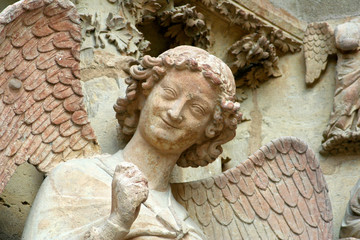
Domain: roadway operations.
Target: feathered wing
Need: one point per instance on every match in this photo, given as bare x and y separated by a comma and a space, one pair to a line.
319, 42
278, 193
42, 115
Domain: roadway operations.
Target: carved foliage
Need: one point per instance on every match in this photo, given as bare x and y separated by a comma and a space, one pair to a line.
115, 30
139, 8
186, 26
255, 55
125, 36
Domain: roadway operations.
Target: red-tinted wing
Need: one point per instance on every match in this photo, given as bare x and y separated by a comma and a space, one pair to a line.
42, 115
278, 193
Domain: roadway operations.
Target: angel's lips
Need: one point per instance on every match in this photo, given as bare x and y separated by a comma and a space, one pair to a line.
168, 123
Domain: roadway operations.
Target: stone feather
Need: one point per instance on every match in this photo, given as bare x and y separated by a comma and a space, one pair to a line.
277, 193
319, 42
42, 116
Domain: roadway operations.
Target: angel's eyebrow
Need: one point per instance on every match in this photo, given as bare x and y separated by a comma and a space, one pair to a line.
172, 84
204, 102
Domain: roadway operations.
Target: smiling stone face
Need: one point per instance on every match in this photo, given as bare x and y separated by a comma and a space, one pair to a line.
187, 104
177, 111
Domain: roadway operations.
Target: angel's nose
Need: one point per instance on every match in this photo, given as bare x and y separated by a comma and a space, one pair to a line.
176, 112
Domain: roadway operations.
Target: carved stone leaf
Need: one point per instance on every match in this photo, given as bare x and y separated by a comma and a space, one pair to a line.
209, 2
37, 67
276, 200
115, 30
256, 57
118, 34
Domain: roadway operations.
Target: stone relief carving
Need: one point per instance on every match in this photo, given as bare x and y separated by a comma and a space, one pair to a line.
117, 27
342, 134
254, 58
186, 26
350, 226
171, 122
115, 30
257, 56
270, 193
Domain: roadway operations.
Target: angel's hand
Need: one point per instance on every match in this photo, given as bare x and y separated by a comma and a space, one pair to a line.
129, 190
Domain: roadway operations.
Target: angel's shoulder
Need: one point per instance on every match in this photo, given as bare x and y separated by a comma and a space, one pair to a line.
80, 165
81, 173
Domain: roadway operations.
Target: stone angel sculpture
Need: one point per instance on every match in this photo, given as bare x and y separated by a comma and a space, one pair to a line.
180, 107
342, 134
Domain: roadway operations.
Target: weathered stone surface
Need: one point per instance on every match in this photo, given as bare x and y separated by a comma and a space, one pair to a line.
99, 92
314, 11
5, 3
162, 112
342, 133
16, 201
286, 106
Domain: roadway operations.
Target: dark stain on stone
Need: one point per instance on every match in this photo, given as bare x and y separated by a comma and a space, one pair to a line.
2, 202
25, 203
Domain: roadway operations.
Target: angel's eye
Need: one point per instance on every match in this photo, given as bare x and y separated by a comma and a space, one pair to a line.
198, 109
169, 92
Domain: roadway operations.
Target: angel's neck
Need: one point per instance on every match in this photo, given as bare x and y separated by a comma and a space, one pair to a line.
156, 165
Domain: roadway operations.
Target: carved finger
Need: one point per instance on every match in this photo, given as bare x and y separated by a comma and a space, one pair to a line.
127, 169
140, 192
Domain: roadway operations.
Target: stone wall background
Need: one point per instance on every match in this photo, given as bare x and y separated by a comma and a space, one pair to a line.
5, 3
282, 106
319, 10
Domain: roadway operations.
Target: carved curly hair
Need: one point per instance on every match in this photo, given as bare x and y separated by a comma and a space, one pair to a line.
151, 70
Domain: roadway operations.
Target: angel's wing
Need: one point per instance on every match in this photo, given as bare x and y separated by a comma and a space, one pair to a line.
42, 115
319, 42
278, 193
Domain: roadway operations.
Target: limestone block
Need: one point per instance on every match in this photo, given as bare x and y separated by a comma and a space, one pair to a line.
100, 95
313, 11
5, 3
17, 199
